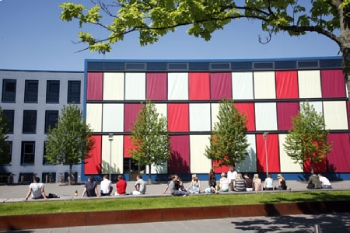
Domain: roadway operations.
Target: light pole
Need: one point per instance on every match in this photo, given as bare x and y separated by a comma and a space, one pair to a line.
110, 138
267, 157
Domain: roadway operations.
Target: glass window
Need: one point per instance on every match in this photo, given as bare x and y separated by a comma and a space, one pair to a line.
29, 121
73, 92
52, 91
28, 153
51, 117
31, 91
10, 117
9, 90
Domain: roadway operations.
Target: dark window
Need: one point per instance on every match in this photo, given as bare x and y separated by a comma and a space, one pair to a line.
73, 92
10, 117
28, 153
31, 91
53, 91
10, 145
9, 90
29, 121
50, 119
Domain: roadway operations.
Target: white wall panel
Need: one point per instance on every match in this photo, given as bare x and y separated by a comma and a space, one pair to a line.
113, 86
265, 116
115, 158
161, 169
162, 110
264, 85
94, 116
135, 86
200, 117
249, 164
214, 114
242, 85
287, 164
199, 162
178, 86
309, 84
113, 117
335, 115
318, 106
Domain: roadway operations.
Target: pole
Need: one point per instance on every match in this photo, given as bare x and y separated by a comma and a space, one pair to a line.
110, 137
266, 154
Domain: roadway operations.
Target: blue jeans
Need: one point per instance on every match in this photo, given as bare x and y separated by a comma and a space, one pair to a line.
326, 186
179, 193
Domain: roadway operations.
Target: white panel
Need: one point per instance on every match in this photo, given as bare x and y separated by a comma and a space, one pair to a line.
214, 114
135, 86
264, 85
265, 116
242, 85
162, 110
200, 117
113, 86
162, 169
199, 162
249, 164
335, 115
177, 86
309, 84
115, 158
287, 164
94, 116
318, 106
113, 118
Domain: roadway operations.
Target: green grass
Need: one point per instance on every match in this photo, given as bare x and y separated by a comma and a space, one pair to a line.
92, 205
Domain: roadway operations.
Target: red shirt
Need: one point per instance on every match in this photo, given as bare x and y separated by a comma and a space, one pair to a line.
121, 186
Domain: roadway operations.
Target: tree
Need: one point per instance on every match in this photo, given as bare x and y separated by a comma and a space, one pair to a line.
153, 19
228, 143
70, 141
150, 139
5, 156
307, 140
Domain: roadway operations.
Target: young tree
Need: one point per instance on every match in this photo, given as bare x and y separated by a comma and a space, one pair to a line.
5, 156
154, 19
228, 143
307, 140
70, 142
150, 139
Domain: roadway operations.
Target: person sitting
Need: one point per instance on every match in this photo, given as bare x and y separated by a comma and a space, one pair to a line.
239, 184
140, 186
36, 190
324, 182
120, 186
314, 182
224, 183
90, 188
195, 185
248, 182
212, 179
256, 183
106, 186
174, 187
281, 183
268, 185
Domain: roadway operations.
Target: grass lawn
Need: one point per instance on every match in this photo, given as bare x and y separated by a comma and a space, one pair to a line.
103, 204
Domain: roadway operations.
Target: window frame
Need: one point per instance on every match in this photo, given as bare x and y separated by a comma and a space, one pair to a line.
31, 90
47, 119
52, 91
6, 96
73, 98
10, 117
24, 153
28, 122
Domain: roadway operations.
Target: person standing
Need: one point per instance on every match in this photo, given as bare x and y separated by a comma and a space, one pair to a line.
120, 186
36, 190
324, 182
90, 188
231, 176
140, 186
106, 186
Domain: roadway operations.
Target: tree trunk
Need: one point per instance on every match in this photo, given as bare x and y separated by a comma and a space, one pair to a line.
70, 174
346, 67
149, 174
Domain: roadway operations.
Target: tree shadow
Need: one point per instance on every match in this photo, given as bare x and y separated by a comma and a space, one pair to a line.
177, 165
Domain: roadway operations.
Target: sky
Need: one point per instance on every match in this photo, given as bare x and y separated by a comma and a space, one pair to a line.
33, 37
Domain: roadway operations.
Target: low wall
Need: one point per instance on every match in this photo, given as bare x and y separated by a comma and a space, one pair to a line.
36, 221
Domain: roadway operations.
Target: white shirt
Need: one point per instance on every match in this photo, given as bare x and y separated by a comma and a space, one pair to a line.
231, 175
36, 189
324, 181
105, 184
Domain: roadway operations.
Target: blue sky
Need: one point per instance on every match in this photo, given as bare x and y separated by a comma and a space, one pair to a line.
33, 37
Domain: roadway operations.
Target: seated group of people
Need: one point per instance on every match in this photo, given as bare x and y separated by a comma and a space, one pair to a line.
318, 182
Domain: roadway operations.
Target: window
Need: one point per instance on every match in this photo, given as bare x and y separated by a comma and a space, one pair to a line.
31, 91
10, 117
9, 90
29, 121
51, 118
73, 92
6, 157
27, 153
53, 91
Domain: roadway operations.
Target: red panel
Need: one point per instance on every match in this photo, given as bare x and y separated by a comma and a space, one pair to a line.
199, 86
287, 84
221, 86
339, 159
93, 164
285, 111
248, 109
333, 83
156, 86
179, 161
272, 152
127, 145
348, 104
318, 167
94, 86
178, 118
130, 115
219, 169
